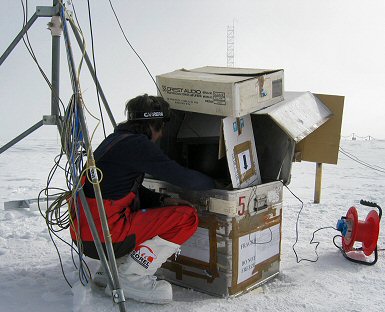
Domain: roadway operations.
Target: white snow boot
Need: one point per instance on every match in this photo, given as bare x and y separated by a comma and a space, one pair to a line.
136, 274
100, 278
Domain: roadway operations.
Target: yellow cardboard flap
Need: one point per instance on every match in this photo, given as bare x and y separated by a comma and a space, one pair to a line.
323, 144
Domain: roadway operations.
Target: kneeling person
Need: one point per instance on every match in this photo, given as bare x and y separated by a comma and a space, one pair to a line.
159, 223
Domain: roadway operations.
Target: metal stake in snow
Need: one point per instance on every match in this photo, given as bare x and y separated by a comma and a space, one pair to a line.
318, 183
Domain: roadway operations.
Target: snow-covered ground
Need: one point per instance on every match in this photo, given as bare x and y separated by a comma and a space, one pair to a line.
30, 273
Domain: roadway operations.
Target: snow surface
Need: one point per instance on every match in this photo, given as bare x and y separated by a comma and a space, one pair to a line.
30, 273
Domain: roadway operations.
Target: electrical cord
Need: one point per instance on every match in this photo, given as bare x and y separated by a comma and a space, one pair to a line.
298, 259
361, 162
254, 242
57, 221
73, 144
57, 215
57, 218
77, 26
51, 233
80, 97
253, 194
132, 48
356, 249
94, 63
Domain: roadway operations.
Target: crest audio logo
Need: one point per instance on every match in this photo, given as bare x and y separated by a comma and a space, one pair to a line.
143, 255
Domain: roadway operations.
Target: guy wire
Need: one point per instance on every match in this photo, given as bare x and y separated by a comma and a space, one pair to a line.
361, 162
94, 63
132, 48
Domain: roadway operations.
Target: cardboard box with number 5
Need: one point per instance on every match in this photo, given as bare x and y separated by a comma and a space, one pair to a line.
237, 246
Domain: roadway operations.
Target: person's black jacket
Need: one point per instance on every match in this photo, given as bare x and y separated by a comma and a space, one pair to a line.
133, 156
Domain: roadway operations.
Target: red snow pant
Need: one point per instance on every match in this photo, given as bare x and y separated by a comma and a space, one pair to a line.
174, 223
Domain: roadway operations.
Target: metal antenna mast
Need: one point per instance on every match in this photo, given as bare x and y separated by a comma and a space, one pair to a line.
58, 25
230, 46
42, 11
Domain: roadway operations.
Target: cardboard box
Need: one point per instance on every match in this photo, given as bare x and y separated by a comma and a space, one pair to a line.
299, 114
241, 153
323, 144
237, 245
229, 254
235, 139
222, 91
275, 133
229, 203
278, 129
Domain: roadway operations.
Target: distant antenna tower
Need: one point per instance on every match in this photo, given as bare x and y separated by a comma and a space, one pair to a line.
230, 46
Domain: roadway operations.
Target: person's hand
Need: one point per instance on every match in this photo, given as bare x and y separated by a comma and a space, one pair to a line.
219, 185
169, 201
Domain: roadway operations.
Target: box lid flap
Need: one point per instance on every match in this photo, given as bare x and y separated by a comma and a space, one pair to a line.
322, 145
204, 76
199, 126
299, 114
232, 71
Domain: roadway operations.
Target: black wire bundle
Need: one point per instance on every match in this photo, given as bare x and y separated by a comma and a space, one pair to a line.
59, 214
56, 217
298, 260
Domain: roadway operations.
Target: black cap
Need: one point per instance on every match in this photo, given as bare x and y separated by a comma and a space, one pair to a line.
145, 107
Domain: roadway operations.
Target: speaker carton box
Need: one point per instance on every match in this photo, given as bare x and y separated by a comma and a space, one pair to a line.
222, 91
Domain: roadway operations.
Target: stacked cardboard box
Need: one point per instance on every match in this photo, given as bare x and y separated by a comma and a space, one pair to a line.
252, 124
234, 249
222, 91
